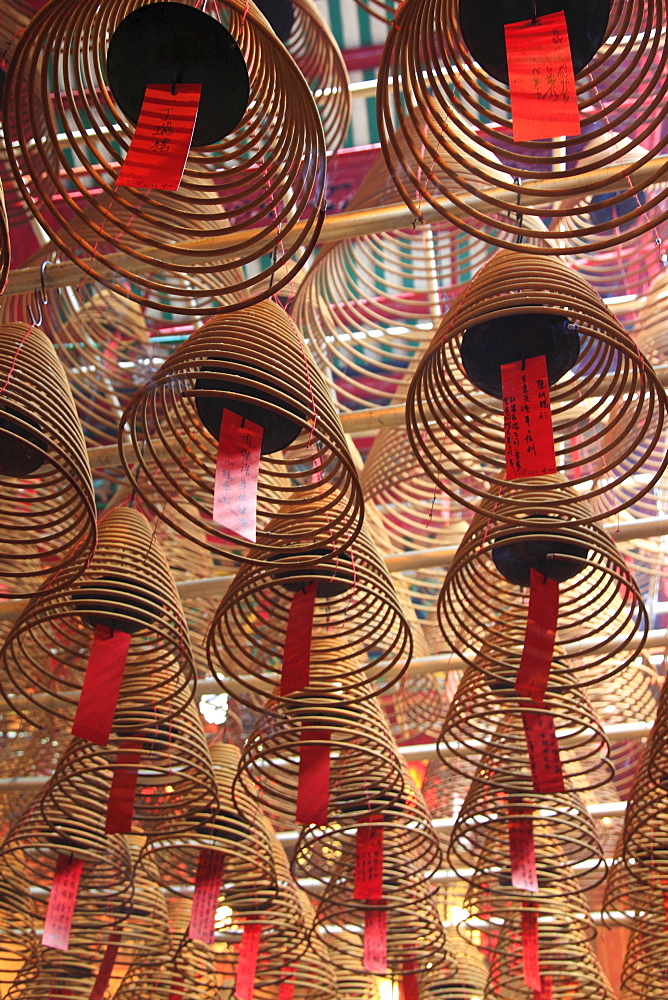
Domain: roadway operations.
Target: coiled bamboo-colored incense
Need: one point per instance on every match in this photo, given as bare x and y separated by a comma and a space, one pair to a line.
359, 628
267, 173
254, 363
442, 78
608, 411
47, 502
127, 587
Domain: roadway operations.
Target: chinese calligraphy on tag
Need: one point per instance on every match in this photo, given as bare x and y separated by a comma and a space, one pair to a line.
161, 142
369, 861
237, 470
543, 98
527, 419
62, 900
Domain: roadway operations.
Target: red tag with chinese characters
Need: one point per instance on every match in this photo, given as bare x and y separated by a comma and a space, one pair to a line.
369, 861
530, 966
207, 891
296, 670
375, 941
247, 961
106, 966
542, 744
237, 471
538, 649
527, 418
522, 851
286, 989
102, 684
313, 779
121, 804
161, 142
62, 900
543, 98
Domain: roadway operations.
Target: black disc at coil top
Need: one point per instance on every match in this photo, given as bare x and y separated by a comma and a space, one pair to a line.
483, 21
171, 43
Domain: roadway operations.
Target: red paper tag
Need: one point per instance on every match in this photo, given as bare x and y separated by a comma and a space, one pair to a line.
296, 670
536, 660
545, 992
207, 891
247, 961
107, 966
546, 769
369, 861
527, 418
286, 988
99, 695
161, 142
313, 779
237, 471
543, 98
522, 851
121, 804
530, 966
410, 988
62, 900
375, 941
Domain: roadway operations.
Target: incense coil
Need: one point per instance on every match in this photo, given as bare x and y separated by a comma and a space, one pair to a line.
625, 269
485, 717
126, 586
352, 981
460, 119
48, 503
289, 395
563, 833
608, 412
644, 970
468, 978
565, 954
18, 942
235, 830
357, 618
313, 974
146, 931
644, 845
167, 750
267, 175
367, 773
601, 621
414, 931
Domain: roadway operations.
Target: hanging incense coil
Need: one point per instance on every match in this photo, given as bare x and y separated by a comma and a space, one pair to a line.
126, 587
48, 504
608, 412
146, 932
18, 940
357, 620
642, 910
352, 981
266, 175
468, 978
235, 831
566, 958
486, 717
644, 846
163, 751
454, 81
563, 833
367, 773
483, 605
223, 366
415, 937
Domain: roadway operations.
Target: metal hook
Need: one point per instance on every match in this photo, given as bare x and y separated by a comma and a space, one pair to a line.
519, 217
35, 322
44, 294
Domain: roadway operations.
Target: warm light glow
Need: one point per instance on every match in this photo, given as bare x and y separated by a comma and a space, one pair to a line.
214, 708
223, 917
387, 990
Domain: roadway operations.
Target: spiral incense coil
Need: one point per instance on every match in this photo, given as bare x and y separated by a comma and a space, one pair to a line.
468, 978
608, 411
127, 586
483, 605
357, 619
486, 717
175, 784
313, 47
267, 175
178, 414
18, 941
449, 70
235, 830
313, 974
563, 833
411, 850
48, 504
146, 932
367, 774
416, 708
645, 967
352, 981
565, 955
644, 846
415, 936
